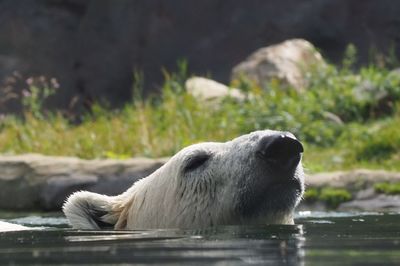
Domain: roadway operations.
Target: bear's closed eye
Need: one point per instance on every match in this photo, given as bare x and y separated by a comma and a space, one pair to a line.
196, 161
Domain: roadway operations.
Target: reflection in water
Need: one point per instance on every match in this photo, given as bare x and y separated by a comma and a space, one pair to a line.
351, 239
230, 245
323, 238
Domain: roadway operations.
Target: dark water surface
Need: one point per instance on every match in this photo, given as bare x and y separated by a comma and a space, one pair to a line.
318, 239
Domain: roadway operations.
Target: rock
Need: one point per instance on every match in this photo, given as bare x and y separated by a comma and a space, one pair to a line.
288, 62
364, 194
57, 188
37, 182
355, 179
360, 183
331, 117
378, 203
43, 182
13, 170
209, 90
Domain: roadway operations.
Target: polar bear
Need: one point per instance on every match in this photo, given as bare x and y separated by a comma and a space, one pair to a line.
253, 179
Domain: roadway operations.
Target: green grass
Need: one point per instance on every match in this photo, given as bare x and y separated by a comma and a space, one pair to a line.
374, 144
334, 196
387, 188
331, 196
341, 126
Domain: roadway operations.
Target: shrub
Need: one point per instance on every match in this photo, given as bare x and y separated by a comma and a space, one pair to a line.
387, 188
379, 142
334, 196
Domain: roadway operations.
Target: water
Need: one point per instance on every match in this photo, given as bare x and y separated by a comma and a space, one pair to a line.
319, 238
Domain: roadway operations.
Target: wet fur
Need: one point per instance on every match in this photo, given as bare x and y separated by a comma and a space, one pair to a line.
189, 191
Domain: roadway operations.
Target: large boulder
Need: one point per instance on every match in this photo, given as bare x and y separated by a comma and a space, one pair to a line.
288, 62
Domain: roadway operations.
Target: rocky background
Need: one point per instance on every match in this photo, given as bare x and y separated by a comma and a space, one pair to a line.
92, 47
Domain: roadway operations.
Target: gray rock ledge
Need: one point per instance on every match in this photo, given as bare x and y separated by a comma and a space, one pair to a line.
360, 183
37, 182
42, 183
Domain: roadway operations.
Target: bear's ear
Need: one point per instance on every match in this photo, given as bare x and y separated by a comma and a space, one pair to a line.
87, 210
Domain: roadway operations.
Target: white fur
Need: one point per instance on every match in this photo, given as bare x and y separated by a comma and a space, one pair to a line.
209, 195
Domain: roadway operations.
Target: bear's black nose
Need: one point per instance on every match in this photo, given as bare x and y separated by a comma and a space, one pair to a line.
281, 151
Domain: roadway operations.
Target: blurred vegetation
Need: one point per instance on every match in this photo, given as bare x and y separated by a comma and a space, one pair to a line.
332, 197
387, 188
346, 118
311, 194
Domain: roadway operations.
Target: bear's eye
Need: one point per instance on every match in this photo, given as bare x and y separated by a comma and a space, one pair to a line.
196, 161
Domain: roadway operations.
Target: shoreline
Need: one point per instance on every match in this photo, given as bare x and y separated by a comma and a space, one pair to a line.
34, 182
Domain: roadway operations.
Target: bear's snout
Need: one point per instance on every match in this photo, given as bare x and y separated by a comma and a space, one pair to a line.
281, 151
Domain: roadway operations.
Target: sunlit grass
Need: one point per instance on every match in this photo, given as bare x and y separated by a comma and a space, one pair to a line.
341, 127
